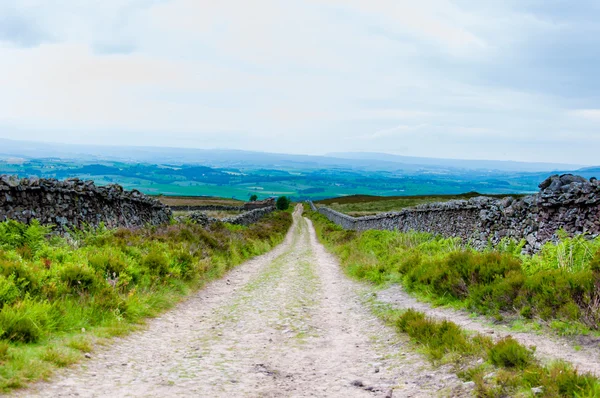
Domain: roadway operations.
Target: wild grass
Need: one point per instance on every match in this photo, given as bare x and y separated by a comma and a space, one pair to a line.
499, 369
58, 296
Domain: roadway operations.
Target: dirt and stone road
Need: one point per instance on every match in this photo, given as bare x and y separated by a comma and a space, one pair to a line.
286, 324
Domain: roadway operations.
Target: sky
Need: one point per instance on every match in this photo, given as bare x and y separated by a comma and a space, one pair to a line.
470, 79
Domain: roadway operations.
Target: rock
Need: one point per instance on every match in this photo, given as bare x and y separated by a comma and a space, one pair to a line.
357, 383
469, 384
537, 390
566, 179
88, 355
548, 181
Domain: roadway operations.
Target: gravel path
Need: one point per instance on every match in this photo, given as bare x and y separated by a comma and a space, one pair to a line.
586, 357
286, 324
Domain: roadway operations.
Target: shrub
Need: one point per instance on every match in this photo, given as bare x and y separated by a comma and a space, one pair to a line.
15, 235
25, 278
509, 353
156, 262
26, 321
80, 278
440, 337
4, 347
107, 262
283, 203
9, 292
253, 198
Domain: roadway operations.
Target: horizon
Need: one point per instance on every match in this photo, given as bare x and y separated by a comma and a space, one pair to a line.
444, 79
323, 155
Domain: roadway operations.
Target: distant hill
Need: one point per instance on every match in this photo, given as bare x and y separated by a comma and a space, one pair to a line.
500, 165
226, 158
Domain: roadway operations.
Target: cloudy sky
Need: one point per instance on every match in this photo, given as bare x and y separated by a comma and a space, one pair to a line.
476, 79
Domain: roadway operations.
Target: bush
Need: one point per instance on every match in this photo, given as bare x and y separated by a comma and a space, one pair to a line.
440, 337
26, 321
80, 278
107, 262
15, 235
283, 203
156, 262
253, 198
508, 353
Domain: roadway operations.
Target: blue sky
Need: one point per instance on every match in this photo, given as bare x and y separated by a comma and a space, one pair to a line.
509, 80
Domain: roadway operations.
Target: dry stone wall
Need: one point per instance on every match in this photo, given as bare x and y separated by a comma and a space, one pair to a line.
246, 218
207, 208
75, 203
567, 202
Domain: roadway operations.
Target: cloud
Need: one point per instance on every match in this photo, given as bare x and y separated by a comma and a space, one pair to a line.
437, 77
587, 114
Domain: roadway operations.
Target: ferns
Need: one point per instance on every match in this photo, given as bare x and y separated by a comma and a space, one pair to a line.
15, 235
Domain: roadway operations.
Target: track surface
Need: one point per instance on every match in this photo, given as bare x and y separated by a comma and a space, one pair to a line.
286, 324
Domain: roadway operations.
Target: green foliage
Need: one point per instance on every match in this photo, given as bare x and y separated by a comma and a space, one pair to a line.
253, 198
26, 321
508, 353
514, 368
440, 338
569, 254
9, 292
157, 262
14, 235
283, 203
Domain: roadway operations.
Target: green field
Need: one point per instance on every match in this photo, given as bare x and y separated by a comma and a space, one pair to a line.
304, 181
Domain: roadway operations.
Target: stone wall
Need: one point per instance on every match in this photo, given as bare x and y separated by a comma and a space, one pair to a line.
207, 208
566, 202
259, 204
246, 218
250, 217
75, 203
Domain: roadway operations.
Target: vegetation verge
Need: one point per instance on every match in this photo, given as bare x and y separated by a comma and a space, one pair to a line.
61, 296
497, 369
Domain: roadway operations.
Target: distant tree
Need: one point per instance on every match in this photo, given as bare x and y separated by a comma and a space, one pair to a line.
283, 203
253, 198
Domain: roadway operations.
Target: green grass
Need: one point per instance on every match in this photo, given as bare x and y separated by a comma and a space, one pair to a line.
498, 369
62, 296
364, 205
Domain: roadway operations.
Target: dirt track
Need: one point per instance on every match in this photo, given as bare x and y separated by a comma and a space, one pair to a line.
286, 324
